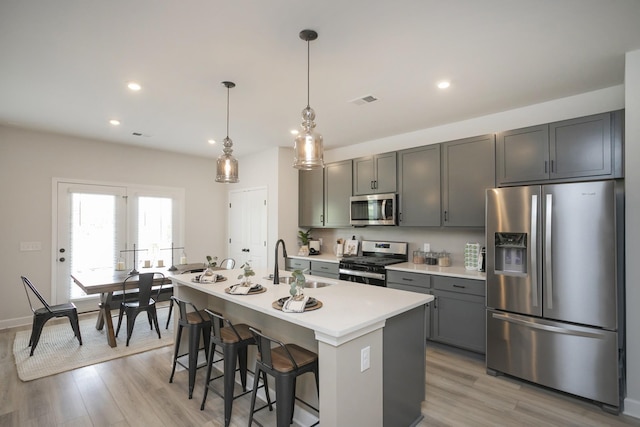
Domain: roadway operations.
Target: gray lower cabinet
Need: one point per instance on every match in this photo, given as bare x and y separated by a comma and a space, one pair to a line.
297, 264
468, 169
413, 282
325, 269
579, 149
419, 186
459, 313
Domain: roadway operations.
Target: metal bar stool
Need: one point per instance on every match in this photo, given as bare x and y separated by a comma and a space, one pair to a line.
197, 323
234, 340
285, 362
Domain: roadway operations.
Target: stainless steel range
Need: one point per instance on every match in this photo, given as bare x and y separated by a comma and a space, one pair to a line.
370, 267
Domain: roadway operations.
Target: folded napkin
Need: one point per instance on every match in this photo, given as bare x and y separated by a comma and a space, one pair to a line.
240, 289
295, 306
208, 279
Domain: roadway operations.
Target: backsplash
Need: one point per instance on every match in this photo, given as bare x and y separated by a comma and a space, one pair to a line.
452, 240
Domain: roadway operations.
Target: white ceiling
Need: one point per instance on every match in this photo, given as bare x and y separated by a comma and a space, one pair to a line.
64, 65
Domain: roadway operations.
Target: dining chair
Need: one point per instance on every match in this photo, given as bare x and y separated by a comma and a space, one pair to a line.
141, 299
228, 263
43, 314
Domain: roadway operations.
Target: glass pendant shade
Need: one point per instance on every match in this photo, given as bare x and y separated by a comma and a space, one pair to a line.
308, 147
227, 165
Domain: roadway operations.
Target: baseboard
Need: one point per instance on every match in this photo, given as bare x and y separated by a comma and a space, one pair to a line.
632, 407
13, 323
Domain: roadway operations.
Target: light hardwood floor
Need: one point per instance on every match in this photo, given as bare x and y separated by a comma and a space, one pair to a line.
134, 391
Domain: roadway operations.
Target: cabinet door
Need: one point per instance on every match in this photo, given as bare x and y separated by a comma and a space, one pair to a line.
581, 147
325, 269
292, 264
468, 169
363, 176
337, 191
522, 155
459, 320
419, 186
385, 173
311, 198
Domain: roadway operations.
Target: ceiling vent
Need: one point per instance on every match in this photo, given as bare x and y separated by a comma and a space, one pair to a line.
368, 99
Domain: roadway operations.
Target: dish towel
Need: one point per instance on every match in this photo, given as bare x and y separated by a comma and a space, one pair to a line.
295, 306
239, 289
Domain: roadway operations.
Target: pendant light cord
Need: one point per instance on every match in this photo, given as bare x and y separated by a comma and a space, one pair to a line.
308, 68
228, 112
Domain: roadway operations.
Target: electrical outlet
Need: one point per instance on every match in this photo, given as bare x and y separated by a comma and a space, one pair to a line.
365, 359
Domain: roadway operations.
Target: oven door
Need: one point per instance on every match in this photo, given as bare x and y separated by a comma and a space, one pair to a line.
365, 277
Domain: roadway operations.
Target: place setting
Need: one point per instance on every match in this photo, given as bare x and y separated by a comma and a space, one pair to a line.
245, 289
297, 302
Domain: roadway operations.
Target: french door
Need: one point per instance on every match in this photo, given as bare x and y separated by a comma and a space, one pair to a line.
98, 225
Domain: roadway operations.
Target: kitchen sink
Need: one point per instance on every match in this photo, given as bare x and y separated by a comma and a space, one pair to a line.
314, 284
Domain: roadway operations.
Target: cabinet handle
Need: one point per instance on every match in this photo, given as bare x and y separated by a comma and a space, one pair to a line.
375, 185
407, 279
459, 286
545, 167
552, 166
446, 216
371, 184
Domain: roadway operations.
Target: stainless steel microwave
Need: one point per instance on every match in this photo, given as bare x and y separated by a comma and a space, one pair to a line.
374, 209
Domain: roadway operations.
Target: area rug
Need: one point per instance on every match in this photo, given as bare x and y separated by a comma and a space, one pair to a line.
59, 351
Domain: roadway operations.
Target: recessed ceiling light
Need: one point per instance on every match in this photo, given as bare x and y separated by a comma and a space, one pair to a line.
114, 122
443, 84
211, 141
134, 86
293, 132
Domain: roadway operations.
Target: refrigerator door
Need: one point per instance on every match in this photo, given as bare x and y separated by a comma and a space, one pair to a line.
579, 252
513, 264
578, 360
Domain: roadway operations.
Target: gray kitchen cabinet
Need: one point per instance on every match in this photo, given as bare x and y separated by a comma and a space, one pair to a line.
468, 169
323, 196
374, 174
337, 191
459, 313
325, 269
419, 186
311, 198
413, 282
571, 150
292, 264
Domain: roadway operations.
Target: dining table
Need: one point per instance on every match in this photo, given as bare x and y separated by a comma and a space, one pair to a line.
106, 282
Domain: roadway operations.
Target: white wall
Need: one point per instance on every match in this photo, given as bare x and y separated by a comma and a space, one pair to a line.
632, 232
29, 160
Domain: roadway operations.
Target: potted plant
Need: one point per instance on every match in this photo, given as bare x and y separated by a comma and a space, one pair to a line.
246, 274
305, 237
297, 285
211, 263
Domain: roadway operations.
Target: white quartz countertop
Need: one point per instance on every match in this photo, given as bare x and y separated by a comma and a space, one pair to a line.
348, 309
453, 271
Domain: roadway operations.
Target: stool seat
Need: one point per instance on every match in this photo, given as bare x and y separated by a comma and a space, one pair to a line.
301, 356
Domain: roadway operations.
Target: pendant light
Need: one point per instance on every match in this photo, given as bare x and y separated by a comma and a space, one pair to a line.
227, 167
308, 150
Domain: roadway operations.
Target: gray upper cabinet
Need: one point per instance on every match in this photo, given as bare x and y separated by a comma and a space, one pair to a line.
311, 198
337, 191
571, 150
419, 186
468, 169
374, 174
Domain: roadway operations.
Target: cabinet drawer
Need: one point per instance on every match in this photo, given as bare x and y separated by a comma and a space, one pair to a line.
454, 284
297, 264
324, 267
410, 279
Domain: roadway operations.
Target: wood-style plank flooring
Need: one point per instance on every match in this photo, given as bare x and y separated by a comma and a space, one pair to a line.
135, 391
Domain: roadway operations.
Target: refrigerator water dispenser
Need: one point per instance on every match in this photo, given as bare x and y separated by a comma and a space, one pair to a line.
511, 253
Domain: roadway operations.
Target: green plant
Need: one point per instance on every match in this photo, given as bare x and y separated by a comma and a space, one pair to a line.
212, 261
304, 237
247, 273
298, 282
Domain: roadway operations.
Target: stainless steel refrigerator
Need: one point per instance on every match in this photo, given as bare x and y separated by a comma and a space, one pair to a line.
555, 287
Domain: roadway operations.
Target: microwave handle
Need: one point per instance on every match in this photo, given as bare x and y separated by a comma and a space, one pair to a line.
383, 208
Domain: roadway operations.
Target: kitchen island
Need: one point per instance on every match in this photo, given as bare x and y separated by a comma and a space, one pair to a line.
384, 388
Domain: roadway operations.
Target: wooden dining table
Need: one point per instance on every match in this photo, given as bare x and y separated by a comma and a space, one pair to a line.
106, 283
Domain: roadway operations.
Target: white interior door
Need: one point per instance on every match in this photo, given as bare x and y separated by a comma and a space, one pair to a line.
248, 227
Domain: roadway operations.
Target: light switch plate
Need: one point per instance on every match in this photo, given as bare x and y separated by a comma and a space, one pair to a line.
365, 359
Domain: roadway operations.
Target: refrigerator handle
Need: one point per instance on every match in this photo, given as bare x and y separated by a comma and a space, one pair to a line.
547, 252
549, 328
534, 250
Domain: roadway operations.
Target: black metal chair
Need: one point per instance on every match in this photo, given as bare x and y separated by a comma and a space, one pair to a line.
228, 263
193, 270
285, 362
141, 299
197, 322
234, 341
43, 314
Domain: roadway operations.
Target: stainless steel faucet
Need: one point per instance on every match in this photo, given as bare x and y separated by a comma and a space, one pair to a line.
276, 276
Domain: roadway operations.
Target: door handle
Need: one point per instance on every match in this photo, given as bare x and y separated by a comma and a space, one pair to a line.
534, 250
62, 259
547, 251
543, 327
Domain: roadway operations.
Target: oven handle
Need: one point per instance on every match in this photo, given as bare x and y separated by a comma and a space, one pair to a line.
368, 274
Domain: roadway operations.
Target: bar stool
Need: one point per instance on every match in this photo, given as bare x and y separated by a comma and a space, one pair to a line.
234, 340
285, 362
197, 323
